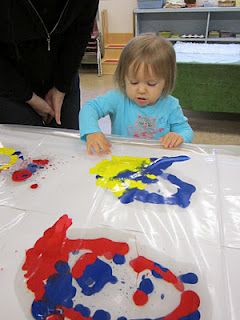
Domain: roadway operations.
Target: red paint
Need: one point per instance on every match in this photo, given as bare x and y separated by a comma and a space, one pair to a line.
71, 314
40, 259
140, 298
34, 186
189, 304
140, 264
55, 317
21, 175
170, 277
40, 162
82, 263
101, 247
55, 246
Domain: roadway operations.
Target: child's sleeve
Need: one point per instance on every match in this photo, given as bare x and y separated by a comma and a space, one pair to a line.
179, 123
95, 109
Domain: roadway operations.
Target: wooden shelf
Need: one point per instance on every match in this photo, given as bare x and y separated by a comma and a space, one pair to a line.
199, 20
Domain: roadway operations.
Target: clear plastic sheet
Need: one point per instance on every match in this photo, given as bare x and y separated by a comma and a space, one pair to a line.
200, 236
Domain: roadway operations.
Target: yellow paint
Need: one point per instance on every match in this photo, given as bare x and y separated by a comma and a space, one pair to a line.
109, 169
12, 158
118, 187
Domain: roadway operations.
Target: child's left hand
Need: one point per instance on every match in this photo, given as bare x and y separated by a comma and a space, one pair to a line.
171, 140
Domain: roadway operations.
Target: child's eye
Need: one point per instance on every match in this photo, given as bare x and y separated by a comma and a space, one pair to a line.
152, 84
133, 82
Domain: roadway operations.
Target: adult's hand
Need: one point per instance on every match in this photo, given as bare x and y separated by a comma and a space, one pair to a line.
41, 107
54, 98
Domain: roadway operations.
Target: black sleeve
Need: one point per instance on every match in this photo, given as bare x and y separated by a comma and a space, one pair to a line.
12, 84
74, 45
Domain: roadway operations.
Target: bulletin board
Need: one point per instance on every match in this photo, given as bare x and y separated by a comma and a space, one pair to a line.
143, 233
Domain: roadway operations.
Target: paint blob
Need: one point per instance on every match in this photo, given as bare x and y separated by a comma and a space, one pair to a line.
21, 169
68, 275
129, 177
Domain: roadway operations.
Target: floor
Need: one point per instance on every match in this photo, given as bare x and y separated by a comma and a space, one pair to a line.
209, 127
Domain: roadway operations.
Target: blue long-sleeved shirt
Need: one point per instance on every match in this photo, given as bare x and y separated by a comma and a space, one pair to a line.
130, 120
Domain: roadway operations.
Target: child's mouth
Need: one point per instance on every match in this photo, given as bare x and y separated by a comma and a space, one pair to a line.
141, 100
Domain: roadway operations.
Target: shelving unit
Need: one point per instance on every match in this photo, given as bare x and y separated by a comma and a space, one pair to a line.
199, 21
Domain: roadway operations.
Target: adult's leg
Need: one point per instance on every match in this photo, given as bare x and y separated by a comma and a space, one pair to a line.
70, 107
13, 112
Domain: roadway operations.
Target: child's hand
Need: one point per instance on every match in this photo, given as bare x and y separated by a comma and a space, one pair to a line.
98, 143
171, 140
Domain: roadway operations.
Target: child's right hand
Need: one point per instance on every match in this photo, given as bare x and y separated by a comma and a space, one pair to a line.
98, 143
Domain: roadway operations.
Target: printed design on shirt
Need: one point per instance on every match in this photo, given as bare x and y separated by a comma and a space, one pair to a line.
144, 127
142, 179
98, 278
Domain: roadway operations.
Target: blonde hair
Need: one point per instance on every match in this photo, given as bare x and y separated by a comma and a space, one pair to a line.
153, 52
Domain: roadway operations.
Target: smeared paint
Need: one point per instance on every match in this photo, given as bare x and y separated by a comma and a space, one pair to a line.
189, 278
41, 162
140, 297
128, 177
21, 175
13, 158
52, 280
141, 263
22, 169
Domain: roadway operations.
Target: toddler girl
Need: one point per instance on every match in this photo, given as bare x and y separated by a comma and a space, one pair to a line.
142, 106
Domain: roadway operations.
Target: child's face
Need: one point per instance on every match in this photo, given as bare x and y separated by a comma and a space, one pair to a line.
143, 90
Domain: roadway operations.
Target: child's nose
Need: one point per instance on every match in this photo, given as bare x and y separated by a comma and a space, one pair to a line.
141, 87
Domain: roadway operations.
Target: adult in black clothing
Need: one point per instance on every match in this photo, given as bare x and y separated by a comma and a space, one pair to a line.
41, 47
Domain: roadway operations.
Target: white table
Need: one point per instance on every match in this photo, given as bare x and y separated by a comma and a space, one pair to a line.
203, 237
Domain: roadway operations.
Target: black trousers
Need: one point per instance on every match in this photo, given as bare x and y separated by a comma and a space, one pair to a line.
13, 112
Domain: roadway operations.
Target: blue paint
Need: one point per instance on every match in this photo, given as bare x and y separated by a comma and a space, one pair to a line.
122, 318
32, 167
189, 278
163, 163
95, 276
62, 267
84, 311
162, 296
146, 286
101, 315
59, 289
119, 259
41, 309
156, 274
161, 267
183, 195
194, 316
180, 198
19, 154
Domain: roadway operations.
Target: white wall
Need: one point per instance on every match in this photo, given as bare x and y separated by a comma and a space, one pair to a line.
120, 14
